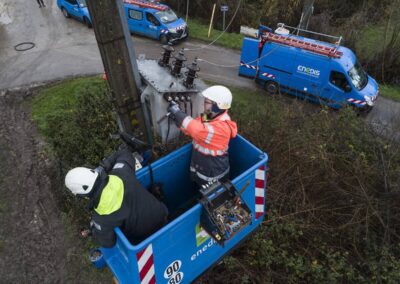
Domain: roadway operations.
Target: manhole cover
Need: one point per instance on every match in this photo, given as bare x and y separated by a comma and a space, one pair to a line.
23, 46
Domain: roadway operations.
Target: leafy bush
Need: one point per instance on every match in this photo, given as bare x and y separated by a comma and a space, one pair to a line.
77, 121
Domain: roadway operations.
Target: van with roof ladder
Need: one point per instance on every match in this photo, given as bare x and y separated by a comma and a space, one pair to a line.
155, 20
146, 18
318, 71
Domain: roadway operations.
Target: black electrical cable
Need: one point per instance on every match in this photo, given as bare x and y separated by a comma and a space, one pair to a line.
191, 108
151, 175
180, 132
168, 129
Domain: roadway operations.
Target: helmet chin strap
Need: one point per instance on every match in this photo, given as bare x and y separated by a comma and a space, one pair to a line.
212, 113
216, 109
210, 116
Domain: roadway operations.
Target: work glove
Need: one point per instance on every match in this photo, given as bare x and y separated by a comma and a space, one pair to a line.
108, 162
175, 113
105, 164
173, 108
85, 232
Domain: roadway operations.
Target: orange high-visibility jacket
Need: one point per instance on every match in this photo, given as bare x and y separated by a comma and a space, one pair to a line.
210, 145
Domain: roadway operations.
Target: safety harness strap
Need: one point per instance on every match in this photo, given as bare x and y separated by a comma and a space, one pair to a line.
209, 179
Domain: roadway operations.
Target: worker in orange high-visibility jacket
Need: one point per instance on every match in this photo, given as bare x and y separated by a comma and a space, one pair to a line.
211, 133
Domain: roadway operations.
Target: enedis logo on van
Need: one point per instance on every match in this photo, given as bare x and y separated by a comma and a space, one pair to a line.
308, 71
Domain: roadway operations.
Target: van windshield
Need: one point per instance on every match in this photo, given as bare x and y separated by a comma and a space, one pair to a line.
358, 76
167, 16
82, 3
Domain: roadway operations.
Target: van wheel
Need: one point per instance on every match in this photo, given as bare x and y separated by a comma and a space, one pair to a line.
65, 13
272, 87
164, 39
87, 22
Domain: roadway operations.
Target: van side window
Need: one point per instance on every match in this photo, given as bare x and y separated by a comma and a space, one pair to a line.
152, 19
73, 2
339, 80
136, 15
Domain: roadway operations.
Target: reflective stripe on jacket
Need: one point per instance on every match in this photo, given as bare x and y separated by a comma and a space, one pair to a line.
210, 138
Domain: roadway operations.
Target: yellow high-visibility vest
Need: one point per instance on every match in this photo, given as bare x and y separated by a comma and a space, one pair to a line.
112, 196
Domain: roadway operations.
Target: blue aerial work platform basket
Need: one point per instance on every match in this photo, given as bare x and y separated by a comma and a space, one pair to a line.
182, 250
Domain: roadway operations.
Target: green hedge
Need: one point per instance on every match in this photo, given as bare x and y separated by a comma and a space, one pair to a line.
76, 117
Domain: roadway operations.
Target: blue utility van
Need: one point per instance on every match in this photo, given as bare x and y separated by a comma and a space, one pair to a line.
155, 20
182, 250
146, 18
77, 9
318, 71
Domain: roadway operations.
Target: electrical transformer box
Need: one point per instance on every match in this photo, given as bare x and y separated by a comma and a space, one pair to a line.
165, 83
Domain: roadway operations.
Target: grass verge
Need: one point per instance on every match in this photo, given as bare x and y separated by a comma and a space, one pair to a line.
60, 99
390, 92
200, 31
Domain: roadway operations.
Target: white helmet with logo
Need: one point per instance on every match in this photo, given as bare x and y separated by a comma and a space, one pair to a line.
220, 95
81, 180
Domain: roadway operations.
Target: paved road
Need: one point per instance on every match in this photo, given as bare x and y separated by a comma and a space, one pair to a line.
65, 47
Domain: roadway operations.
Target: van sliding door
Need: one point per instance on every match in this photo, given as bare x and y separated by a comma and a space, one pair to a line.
310, 73
277, 61
135, 21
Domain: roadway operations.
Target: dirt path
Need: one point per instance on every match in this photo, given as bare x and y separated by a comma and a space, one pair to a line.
32, 237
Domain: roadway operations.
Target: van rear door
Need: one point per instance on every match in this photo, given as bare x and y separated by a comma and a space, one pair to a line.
135, 21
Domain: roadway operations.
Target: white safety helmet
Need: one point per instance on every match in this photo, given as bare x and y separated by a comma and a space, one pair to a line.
80, 180
220, 95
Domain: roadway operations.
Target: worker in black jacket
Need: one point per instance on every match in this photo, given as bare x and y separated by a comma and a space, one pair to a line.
117, 200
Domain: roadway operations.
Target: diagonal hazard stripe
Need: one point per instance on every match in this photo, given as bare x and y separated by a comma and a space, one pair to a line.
144, 255
147, 268
150, 277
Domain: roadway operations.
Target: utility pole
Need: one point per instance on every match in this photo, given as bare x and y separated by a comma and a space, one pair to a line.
306, 14
187, 11
119, 60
